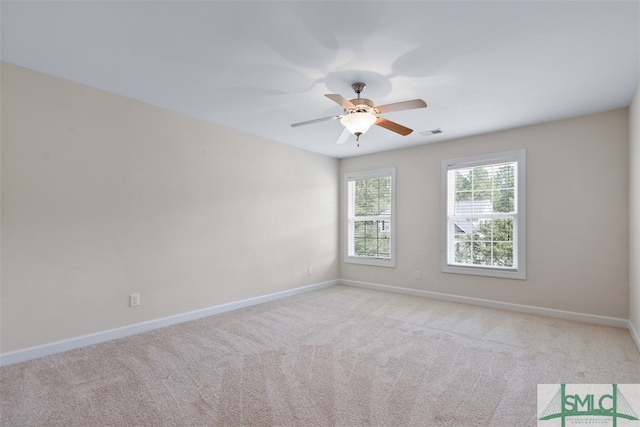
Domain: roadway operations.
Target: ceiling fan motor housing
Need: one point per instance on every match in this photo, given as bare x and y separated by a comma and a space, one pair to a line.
362, 105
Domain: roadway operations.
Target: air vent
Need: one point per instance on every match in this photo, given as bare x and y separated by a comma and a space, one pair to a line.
431, 132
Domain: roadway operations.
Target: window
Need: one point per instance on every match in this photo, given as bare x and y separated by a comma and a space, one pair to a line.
370, 217
484, 216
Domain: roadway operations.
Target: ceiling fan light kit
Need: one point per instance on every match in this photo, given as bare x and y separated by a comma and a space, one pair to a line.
358, 122
361, 113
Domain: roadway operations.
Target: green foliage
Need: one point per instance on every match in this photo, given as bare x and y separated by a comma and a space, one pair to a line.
373, 196
490, 243
372, 239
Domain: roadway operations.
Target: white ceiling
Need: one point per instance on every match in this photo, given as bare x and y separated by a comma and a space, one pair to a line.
481, 66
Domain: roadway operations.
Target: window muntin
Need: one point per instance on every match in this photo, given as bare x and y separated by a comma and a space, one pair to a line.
484, 215
370, 217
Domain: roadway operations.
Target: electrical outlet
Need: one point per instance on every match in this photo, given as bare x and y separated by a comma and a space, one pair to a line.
417, 274
134, 300
309, 271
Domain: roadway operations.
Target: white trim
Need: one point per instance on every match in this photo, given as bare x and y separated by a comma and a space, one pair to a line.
99, 337
548, 312
634, 334
520, 245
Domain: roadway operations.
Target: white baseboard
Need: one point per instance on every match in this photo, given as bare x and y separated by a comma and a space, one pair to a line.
634, 334
99, 337
549, 312
86, 340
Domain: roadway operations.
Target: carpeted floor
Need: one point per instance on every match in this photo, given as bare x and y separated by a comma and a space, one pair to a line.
340, 356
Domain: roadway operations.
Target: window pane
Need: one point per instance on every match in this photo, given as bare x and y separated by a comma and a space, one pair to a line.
373, 197
504, 201
503, 230
463, 180
384, 248
483, 241
485, 189
372, 239
482, 202
463, 204
503, 254
481, 252
504, 176
463, 229
462, 252
482, 178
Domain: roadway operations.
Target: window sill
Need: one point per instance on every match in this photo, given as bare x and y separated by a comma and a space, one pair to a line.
489, 272
370, 261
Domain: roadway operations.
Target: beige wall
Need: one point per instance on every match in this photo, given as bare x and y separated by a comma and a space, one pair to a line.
634, 211
103, 196
577, 216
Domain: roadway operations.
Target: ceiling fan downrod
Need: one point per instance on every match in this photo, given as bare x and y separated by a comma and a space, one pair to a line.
358, 87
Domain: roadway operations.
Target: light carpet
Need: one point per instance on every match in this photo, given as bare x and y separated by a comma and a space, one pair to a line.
340, 356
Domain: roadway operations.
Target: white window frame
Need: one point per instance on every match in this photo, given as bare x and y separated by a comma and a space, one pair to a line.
349, 221
519, 238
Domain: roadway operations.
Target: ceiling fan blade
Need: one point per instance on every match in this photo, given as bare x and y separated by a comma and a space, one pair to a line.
399, 106
393, 126
341, 100
308, 122
343, 137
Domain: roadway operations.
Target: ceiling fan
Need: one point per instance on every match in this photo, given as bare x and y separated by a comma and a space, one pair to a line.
361, 113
